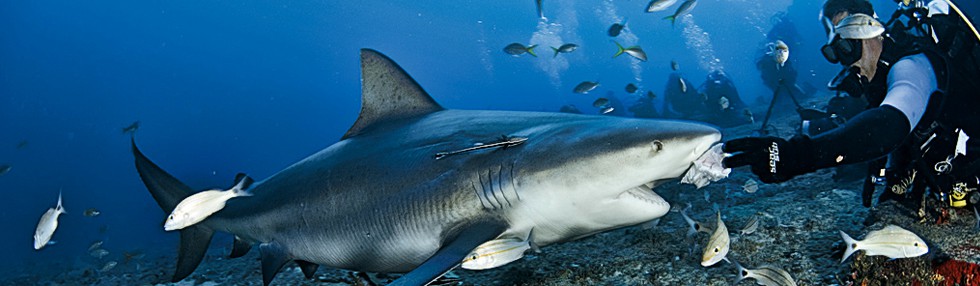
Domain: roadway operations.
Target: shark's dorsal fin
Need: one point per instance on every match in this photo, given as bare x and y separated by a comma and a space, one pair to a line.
388, 93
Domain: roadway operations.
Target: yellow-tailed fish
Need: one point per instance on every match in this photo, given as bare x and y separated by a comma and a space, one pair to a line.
891, 241
634, 51
718, 245
495, 253
200, 206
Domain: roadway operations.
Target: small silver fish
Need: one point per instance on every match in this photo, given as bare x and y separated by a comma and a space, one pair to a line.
683, 85
651, 95
634, 51
600, 102
779, 52
767, 275
496, 253
891, 241
108, 266
631, 88
659, 5
99, 253
685, 8
95, 245
131, 129
750, 186
517, 49
197, 207
607, 110
566, 48
585, 87
718, 245
4, 169
47, 225
92, 212
751, 226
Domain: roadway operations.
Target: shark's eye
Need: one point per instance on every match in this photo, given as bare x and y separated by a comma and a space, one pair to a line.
658, 146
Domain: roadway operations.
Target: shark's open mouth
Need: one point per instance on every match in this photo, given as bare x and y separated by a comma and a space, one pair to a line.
646, 194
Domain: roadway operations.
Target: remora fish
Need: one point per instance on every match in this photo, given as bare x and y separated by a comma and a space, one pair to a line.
659, 5
47, 225
685, 8
891, 241
199, 206
765, 275
634, 51
718, 245
356, 206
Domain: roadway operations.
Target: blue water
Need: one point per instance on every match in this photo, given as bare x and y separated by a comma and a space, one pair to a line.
222, 87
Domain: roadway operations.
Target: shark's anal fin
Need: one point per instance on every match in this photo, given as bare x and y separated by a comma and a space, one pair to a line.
388, 93
274, 256
309, 268
239, 248
451, 254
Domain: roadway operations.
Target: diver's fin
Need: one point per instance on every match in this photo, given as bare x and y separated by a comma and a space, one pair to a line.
309, 268
451, 254
273, 258
239, 248
168, 192
388, 93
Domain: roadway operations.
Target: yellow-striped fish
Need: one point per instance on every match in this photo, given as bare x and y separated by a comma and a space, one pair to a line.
718, 245
891, 241
495, 253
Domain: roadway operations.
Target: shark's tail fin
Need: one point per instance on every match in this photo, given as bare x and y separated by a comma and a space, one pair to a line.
168, 192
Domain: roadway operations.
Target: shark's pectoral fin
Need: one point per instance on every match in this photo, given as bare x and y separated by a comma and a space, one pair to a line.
309, 268
274, 256
451, 253
239, 248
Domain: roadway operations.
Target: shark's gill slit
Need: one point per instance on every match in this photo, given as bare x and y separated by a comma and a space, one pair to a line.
513, 183
500, 184
483, 201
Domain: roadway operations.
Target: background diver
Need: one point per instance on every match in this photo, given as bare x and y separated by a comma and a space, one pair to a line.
920, 94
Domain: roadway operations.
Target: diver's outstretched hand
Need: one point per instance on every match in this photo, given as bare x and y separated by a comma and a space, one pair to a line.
773, 159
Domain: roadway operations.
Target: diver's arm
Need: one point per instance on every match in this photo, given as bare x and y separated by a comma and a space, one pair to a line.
875, 132
871, 134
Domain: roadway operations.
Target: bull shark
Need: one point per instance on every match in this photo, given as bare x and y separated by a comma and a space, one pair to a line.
381, 200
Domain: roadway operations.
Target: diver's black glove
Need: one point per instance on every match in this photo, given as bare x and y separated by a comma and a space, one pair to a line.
773, 159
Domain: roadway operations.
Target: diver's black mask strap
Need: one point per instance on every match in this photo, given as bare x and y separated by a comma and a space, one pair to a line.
850, 81
843, 51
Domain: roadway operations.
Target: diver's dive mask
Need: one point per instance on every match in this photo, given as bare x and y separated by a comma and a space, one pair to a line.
850, 81
843, 51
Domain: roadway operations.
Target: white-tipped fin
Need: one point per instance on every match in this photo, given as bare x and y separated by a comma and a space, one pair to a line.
851, 244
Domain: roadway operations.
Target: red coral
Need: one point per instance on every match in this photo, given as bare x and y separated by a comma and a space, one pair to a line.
957, 272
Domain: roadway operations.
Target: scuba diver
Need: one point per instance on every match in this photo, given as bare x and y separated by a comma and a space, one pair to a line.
918, 74
644, 107
722, 105
682, 100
